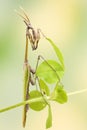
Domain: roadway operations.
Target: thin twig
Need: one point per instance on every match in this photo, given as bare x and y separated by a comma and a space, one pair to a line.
77, 92
37, 100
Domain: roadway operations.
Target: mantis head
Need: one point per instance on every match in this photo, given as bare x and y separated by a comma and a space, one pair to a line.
33, 36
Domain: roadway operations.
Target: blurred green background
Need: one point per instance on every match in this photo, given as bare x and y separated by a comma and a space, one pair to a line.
64, 21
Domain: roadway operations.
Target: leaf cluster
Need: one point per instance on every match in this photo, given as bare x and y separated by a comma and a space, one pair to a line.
49, 72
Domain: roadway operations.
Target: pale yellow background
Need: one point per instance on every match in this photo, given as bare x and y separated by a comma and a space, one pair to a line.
64, 21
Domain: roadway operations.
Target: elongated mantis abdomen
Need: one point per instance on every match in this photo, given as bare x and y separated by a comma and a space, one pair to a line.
25, 92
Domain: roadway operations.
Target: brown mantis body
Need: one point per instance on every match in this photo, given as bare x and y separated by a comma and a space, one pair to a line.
34, 37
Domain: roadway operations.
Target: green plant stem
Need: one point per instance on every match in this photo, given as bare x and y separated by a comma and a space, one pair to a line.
37, 100
23, 103
77, 92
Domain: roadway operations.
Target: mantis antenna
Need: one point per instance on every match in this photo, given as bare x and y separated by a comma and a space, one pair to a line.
23, 15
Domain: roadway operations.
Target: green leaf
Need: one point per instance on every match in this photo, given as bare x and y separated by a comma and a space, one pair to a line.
57, 51
50, 71
49, 118
37, 106
59, 95
44, 88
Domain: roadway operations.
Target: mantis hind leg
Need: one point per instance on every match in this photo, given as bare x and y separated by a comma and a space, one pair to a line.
41, 57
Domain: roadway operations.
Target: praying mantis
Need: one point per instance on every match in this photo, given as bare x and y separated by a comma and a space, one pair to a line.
30, 75
34, 38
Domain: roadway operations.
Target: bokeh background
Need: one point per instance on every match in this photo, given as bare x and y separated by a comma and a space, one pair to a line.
64, 21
